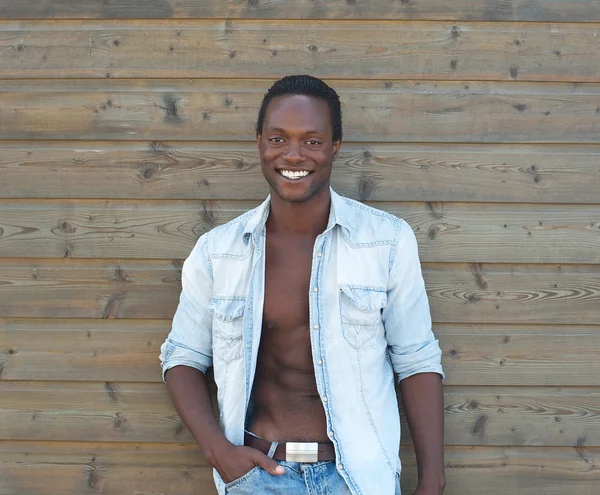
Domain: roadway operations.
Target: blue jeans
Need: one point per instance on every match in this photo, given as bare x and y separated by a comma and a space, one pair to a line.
314, 478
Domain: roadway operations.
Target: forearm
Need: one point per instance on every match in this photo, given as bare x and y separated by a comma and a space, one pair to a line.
190, 395
423, 401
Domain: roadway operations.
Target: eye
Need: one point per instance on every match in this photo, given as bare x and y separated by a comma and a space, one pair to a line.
276, 139
314, 142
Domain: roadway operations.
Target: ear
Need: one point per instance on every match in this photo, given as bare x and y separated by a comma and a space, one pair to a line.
336, 148
258, 140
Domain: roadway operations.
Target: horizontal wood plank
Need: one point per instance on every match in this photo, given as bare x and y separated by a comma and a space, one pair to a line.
374, 111
56, 468
122, 412
458, 293
376, 172
447, 232
272, 49
507, 10
127, 351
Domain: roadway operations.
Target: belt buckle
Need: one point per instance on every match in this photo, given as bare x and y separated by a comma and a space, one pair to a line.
301, 451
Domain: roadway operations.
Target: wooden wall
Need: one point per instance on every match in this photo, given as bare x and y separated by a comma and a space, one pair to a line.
126, 131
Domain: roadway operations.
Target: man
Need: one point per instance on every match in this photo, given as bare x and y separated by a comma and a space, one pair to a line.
305, 307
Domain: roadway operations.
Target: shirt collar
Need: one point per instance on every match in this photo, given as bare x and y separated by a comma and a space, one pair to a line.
338, 214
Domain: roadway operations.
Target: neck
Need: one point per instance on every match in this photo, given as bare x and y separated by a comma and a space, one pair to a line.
308, 218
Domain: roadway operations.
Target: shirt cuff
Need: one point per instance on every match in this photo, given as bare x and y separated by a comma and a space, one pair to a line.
426, 360
174, 354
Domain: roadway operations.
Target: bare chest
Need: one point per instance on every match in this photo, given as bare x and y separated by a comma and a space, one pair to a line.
287, 278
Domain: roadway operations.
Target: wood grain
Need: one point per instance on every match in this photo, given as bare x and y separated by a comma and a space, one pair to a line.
136, 412
447, 232
272, 49
507, 10
377, 172
519, 354
90, 289
127, 351
391, 111
458, 293
71, 349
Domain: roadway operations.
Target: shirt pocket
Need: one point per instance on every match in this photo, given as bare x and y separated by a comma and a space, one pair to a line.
360, 312
227, 328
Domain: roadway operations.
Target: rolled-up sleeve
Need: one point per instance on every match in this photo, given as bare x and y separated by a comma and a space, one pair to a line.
189, 342
412, 347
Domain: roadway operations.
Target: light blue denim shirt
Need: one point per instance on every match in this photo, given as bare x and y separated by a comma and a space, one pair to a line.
369, 317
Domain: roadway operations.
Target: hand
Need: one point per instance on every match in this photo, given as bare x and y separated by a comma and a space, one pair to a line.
233, 462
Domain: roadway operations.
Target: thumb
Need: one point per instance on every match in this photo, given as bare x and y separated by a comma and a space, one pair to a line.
268, 464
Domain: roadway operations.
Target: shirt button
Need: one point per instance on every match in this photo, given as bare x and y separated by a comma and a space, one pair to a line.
364, 308
325, 399
330, 433
320, 362
319, 254
316, 289
316, 327
228, 318
340, 467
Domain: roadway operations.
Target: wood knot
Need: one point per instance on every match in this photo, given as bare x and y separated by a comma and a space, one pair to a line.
479, 427
366, 186
171, 108
455, 32
67, 228
433, 232
111, 392
253, 3
521, 107
514, 71
474, 404
453, 64
116, 42
313, 48
120, 422
148, 171
388, 85
474, 299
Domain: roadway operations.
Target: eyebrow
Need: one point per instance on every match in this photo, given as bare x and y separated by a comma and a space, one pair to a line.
279, 129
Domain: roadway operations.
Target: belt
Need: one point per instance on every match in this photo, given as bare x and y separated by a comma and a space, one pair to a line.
293, 451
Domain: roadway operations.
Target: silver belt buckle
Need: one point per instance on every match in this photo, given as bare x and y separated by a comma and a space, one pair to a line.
301, 451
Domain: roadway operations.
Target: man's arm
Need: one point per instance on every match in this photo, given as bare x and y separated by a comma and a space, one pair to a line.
191, 398
186, 355
423, 402
416, 358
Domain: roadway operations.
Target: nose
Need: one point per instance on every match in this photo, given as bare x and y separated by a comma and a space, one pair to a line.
293, 152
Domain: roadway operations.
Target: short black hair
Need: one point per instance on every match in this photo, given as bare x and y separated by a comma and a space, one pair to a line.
309, 86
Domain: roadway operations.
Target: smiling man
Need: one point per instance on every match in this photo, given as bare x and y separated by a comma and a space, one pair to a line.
306, 307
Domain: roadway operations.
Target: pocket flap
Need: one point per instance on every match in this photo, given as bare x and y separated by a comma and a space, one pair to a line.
227, 309
365, 298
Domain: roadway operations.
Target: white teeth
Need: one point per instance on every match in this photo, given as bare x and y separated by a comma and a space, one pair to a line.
294, 175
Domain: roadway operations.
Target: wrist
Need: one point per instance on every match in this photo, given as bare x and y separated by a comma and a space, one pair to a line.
215, 450
433, 482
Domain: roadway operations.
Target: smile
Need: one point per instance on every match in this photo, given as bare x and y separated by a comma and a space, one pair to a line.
294, 175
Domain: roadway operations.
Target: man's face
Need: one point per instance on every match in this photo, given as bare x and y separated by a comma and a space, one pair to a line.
296, 147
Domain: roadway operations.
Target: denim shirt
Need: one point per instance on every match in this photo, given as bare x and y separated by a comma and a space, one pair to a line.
369, 318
